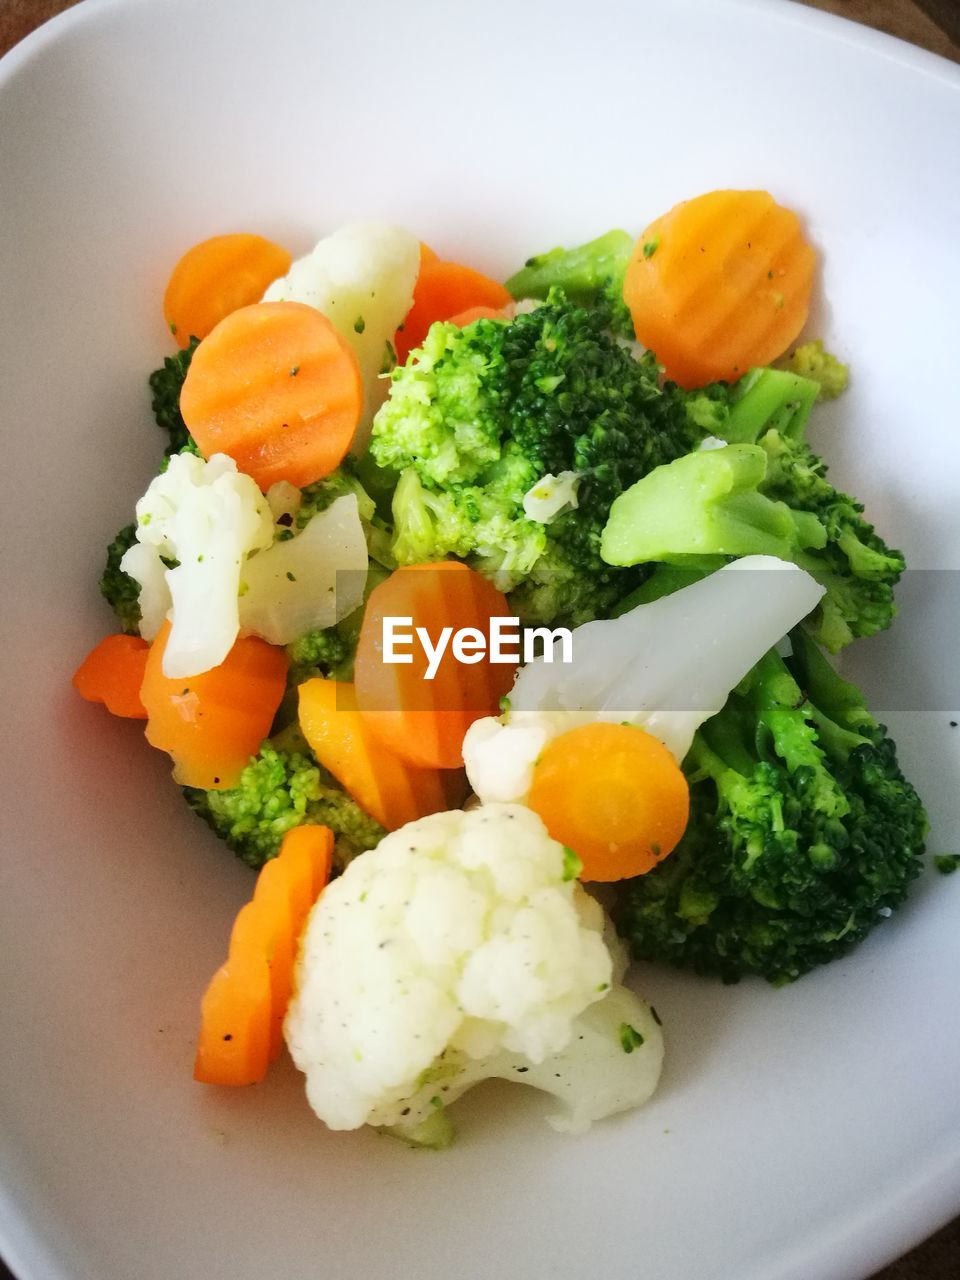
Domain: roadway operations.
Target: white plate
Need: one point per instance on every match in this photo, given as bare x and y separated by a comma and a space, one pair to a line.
798, 1135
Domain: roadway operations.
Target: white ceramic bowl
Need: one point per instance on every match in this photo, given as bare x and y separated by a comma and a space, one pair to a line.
798, 1135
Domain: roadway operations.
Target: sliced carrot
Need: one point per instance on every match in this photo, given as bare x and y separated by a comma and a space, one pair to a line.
463, 318
427, 254
112, 673
242, 1013
213, 723
275, 387
615, 795
386, 786
424, 721
235, 1017
720, 284
444, 289
313, 844
216, 277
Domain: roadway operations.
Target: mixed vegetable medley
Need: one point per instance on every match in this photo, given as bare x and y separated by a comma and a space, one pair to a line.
612, 442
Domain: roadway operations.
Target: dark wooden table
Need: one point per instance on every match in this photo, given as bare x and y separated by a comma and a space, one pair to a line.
934, 24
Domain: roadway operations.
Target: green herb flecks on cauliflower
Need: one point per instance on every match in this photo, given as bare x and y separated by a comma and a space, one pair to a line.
456, 951
207, 518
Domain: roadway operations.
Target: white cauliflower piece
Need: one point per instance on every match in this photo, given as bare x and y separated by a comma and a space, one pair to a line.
459, 949
209, 517
551, 496
665, 666
362, 279
310, 581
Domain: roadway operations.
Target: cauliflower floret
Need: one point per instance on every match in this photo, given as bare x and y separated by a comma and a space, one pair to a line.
462, 948
209, 517
309, 582
362, 279
665, 666
551, 496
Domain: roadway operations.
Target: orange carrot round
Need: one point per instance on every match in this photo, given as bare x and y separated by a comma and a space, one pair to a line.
112, 673
241, 1021
720, 284
275, 387
216, 277
424, 721
445, 289
213, 723
386, 786
615, 795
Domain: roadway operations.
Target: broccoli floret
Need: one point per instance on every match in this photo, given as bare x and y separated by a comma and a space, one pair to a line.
590, 275
812, 361
804, 834
706, 504
320, 653
479, 415
331, 652
282, 786
121, 592
165, 384
322, 494
766, 493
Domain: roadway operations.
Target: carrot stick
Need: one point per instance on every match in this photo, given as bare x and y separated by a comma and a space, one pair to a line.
112, 673
424, 721
213, 723
216, 277
614, 795
275, 387
720, 284
445, 289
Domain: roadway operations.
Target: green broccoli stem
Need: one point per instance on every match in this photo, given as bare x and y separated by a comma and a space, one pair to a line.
702, 504
835, 697
583, 273
766, 399
784, 714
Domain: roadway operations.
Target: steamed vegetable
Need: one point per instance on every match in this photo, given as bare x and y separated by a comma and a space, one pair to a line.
241, 1015
211, 724
112, 673
482, 414
719, 284
460, 949
444, 291
281, 786
382, 783
665, 666
362, 279
421, 709
276, 388
121, 592
804, 833
206, 518
166, 384
811, 361
308, 582
591, 275
216, 277
768, 494
614, 795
